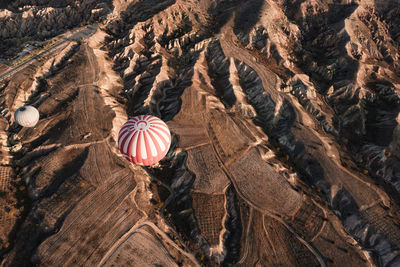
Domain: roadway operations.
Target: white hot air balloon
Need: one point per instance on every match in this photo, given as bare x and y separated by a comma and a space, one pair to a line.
26, 116
144, 140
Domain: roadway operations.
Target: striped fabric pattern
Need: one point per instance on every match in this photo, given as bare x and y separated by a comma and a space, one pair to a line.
27, 116
144, 140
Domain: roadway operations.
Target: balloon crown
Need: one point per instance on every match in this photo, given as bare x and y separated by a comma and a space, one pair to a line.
22, 108
142, 125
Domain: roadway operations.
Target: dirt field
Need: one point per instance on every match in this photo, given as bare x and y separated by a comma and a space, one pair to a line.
284, 119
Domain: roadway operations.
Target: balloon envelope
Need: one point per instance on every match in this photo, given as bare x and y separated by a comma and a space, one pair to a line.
26, 116
144, 140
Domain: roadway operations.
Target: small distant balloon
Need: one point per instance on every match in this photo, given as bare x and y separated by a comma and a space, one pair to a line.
144, 140
27, 116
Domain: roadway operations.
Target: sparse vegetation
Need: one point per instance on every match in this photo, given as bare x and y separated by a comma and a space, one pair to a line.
285, 136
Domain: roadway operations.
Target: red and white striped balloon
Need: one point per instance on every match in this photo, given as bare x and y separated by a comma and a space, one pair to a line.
144, 140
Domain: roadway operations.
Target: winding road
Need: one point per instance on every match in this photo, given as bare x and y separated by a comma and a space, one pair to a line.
75, 36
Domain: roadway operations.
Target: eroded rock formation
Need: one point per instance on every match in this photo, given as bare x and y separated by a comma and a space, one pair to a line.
286, 138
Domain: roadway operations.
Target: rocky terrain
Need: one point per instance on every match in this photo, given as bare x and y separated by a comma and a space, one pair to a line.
24, 21
285, 124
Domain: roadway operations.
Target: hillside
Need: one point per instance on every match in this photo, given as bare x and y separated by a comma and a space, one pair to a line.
284, 118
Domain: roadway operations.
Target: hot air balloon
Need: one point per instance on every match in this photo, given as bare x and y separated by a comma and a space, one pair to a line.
144, 140
26, 116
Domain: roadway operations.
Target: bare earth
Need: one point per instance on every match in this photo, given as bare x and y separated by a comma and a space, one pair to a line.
286, 138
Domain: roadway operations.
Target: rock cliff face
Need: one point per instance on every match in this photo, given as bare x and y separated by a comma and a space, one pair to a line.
285, 124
